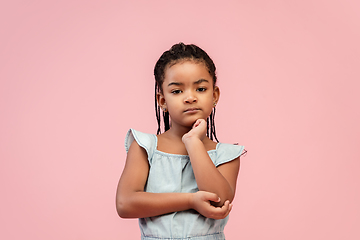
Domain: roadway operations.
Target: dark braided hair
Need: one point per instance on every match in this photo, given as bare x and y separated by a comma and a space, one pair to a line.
177, 53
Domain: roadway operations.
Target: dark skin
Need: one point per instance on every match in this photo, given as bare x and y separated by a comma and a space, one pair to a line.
189, 96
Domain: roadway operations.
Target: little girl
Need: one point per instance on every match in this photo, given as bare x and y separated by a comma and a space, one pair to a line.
180, 183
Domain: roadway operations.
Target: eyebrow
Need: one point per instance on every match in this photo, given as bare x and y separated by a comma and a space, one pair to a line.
179, 83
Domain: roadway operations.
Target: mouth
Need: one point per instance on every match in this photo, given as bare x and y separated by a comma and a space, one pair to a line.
189, 110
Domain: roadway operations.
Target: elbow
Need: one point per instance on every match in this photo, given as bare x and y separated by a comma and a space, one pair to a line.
224, 196
127, 205
231, 195
122, 208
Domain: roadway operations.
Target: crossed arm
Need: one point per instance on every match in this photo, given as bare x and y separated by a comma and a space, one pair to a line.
220, 180
216, 185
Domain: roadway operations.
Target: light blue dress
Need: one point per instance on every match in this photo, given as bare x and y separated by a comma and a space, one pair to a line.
173, 173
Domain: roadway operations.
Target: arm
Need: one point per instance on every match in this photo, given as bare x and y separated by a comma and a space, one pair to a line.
133, 202
220, 180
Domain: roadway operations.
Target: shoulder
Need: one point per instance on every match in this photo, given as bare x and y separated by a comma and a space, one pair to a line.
145, 140
226, 152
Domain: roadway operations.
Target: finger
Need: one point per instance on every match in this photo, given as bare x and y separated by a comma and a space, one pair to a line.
229, 210
197, 123
201, 121
226, 208
212, 197
220, 213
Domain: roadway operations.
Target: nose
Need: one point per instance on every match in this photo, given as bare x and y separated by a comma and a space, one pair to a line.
190, 97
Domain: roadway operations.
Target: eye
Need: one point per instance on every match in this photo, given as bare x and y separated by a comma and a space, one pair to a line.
176, 91
201, 89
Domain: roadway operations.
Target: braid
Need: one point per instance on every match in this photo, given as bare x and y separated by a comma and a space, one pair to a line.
212, 125
177, 53
207, 127
157, 110
166, 120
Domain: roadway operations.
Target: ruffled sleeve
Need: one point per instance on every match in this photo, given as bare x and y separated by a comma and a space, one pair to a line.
145, 140
227, 152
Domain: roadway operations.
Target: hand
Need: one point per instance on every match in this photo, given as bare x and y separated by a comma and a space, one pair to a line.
201, 202
198, 130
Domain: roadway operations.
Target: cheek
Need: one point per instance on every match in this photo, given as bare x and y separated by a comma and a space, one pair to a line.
172, 105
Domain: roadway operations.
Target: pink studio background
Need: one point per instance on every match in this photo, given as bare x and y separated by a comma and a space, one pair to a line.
75, 75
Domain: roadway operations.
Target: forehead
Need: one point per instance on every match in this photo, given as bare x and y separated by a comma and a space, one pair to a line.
187, 70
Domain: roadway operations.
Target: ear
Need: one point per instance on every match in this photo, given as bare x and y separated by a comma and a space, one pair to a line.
216, 95
160, 100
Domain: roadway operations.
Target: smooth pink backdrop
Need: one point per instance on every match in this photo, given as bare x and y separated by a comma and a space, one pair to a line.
75, 75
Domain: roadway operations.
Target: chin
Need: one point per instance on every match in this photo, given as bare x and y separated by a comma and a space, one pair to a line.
191, 123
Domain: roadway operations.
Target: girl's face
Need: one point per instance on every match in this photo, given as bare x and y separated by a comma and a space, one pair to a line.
188, 93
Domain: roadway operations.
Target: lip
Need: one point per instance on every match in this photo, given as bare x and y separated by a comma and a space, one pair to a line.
191, 110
